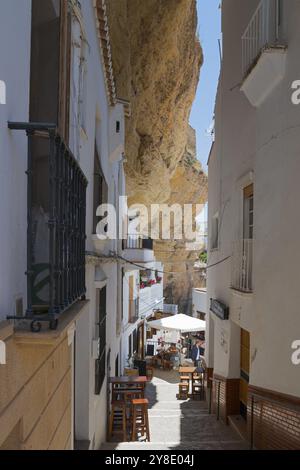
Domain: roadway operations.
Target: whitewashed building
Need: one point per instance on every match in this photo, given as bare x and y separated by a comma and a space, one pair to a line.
57, 85
199, 302
142, 295
253, 257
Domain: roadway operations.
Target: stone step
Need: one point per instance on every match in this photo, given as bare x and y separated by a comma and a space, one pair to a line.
239, 425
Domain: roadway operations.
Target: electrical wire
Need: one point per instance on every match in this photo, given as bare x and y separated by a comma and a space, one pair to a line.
144, 267
218, 262
116, 256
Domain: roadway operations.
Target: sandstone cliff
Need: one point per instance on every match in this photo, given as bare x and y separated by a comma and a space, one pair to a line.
156, 61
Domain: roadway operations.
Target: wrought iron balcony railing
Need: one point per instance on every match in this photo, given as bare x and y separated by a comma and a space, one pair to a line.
56, 213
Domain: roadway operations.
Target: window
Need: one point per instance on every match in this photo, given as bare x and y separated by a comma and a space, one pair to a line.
200, 315
133, 305
82, 91
214, 242
134, 341
100, 370
129, 345
50, 63
248, 208
117, 366
100, 189
279, 9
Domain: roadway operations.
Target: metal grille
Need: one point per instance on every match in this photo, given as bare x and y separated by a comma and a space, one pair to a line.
61, 275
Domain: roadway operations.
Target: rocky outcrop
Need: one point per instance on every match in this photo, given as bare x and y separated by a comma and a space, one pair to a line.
179, 256
156, 61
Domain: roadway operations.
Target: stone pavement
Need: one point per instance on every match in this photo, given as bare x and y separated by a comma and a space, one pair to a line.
180, 425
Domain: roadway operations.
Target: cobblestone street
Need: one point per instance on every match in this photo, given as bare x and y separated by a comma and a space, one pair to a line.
180, 425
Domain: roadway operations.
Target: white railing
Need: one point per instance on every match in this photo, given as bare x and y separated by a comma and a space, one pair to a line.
242, 263
137, 242
260, 33
171, 309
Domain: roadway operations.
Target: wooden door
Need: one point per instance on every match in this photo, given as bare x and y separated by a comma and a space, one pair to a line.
141, 341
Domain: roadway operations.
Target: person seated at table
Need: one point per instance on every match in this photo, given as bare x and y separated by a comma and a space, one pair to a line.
160, 348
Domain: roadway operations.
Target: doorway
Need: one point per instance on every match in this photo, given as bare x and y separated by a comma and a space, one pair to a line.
50, 63
141, 341
108, 393
244, 371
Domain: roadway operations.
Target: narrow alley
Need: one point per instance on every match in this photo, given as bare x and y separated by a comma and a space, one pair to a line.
149, 264
180, 425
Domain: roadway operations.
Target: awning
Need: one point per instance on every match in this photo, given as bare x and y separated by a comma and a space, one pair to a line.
179, 322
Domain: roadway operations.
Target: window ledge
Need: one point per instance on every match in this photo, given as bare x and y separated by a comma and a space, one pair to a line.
241, 293
23, 335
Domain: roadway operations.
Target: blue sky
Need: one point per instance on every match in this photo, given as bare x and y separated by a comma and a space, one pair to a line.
209, 28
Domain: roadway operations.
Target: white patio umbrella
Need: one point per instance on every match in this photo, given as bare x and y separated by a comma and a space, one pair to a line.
179, 322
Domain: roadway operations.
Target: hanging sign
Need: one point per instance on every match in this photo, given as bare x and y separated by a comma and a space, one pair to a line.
219, 309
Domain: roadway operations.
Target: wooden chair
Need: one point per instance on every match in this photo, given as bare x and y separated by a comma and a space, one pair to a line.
197, 386
167, 365
131, 372
156, 361
140, 419
120, 392
183, 393
184, 378
149, 372
117, 421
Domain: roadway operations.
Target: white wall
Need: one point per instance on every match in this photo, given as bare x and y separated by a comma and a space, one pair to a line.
150, 298
199, 301
99, 126
264, 141
15, 36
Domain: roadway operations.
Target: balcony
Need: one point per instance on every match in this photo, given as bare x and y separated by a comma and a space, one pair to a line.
263, 57
151, 298
133, 310
168, 309
56, 213
138, 249
242, 263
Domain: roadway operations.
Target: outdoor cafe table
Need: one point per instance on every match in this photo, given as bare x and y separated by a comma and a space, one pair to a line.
119, 383
128, 379
188, 371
